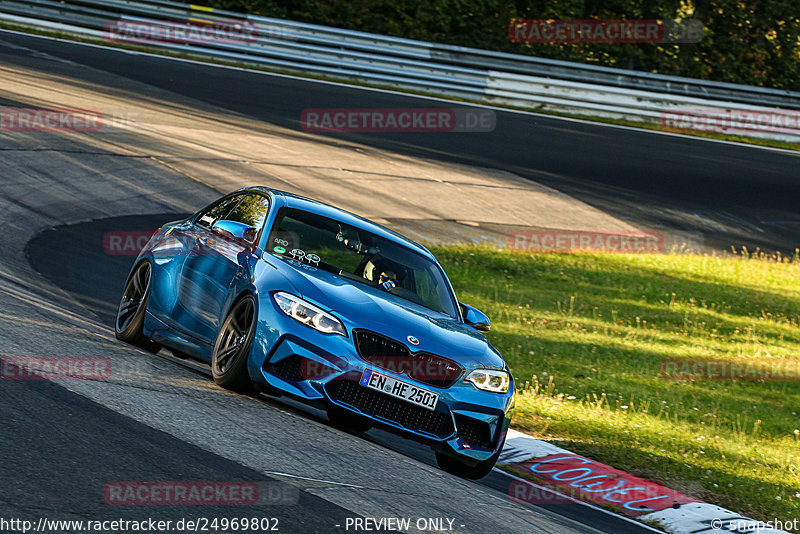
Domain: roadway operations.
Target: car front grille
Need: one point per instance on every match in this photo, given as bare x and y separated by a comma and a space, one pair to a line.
392, 355
405, 414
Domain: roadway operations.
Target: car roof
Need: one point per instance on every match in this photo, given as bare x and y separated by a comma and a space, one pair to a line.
292, 200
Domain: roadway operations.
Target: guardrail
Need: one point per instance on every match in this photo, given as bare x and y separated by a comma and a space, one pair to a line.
479, 75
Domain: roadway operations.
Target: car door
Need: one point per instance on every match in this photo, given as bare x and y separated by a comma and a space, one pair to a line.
171, 254
218, 263
192, 253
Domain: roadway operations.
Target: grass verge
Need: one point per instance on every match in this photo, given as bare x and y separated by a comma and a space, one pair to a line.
585, 336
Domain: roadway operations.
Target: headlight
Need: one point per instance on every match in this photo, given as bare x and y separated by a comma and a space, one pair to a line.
489, 380
306, 313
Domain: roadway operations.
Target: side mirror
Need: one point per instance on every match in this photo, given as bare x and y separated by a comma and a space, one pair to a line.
475, 318
236, 231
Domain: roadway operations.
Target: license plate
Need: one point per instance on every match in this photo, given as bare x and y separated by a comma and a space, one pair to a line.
399, 389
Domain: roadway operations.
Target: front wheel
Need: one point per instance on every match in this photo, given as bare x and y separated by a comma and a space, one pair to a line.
132, 307
231, 350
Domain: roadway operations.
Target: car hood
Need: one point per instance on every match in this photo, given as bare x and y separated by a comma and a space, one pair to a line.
363, 306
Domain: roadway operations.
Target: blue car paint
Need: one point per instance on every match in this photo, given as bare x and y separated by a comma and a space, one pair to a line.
195, 281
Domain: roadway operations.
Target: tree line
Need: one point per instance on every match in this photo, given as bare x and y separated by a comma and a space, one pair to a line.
754, 42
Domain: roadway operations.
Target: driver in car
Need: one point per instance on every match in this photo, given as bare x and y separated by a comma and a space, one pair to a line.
387, 280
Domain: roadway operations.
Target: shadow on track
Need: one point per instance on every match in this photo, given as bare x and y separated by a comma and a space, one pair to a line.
91, 260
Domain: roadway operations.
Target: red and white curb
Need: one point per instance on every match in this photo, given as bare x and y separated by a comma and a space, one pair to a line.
566, 477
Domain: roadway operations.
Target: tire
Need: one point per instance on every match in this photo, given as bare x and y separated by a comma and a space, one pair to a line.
457, 467
347, 420
232, 348
132, 307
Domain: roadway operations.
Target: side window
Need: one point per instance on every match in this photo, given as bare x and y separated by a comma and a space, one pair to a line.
217, 211
252, 210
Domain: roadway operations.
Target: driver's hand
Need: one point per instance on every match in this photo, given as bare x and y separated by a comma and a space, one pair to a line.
387, 285
386, 282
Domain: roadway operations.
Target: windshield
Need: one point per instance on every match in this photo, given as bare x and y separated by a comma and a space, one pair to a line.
360, 256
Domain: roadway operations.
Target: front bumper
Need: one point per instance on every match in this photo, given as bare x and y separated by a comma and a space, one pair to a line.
325, 370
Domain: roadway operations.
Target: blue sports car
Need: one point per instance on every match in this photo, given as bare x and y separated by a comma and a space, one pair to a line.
290, 296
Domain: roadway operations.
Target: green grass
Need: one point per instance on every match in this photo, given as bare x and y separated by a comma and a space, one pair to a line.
585, 335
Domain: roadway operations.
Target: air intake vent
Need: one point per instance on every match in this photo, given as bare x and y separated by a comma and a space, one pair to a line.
295, 368
476, 434
405, 414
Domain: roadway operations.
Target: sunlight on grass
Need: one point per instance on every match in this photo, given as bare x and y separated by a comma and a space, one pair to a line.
586, 336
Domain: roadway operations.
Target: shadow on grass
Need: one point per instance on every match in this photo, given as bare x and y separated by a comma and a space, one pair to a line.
635, 374
541, 280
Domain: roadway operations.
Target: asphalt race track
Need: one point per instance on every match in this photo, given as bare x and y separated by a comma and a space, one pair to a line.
730, 194
159, 419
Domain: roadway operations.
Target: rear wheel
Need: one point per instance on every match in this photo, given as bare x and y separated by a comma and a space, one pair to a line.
231, 350
132, 307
